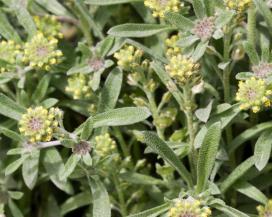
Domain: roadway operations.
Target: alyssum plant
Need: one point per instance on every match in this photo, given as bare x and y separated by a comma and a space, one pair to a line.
135, 108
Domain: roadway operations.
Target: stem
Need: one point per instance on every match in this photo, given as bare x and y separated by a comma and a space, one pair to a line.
49, 144
121, 198
121, 141
227, 71
190, 125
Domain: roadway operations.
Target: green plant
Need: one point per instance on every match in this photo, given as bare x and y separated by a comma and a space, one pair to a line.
132, 108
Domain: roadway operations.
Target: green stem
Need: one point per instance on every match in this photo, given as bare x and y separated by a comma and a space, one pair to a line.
121, 198
121, 141
190, 125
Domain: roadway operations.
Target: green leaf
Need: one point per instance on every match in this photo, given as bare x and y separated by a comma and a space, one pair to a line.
111, 90
48, 103
262, 150
30, 169
236, 174
179, 21
11, 168
10, 108
41, 90
138, 30
12, 135
101, 200
187, 41
24, 17
16, 212
54, 7
265, 12
105, 45
231, 212
203, 114
87, 130
110, 2
153, 212
199, 50
209, 5
252, 53
75, 202
224, 18
244, 75
6, 29
16, 195
69, 166
207, 155
140, 179
162, 149
251, 191
199, 8
53, 164
121, 116
249, 134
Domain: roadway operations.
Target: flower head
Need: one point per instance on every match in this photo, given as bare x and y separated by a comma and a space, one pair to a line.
78, 86
160, 7
265, 211
9, 52
82, 148
182, 68
263, 70
189, 208
105, 145
172, 48
253, 93
238, 5
39, 124
49, 26
96, 63
128, 57
41, 52
204, 28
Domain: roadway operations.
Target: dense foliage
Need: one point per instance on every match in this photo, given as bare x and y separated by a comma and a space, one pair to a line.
138, 108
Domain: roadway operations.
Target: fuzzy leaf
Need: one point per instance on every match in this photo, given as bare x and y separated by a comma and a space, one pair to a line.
140, 179
6, 29
138, 30
101, 200
41, 89
11, 168
236, 174
199, 8
153, 212
262, 150
30, 169
10, 108
54, 7
203, 114
162, 149
179, 21
252, 53
69, 166
207, 155
110, 2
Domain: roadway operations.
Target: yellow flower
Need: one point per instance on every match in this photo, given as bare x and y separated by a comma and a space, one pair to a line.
39, 124
105, 145
78, 86
41, 52
239, 6
253, 93
265, 211
160, 7
9, 52
128, 57
172, 48
189, 207
49, 26
182, 68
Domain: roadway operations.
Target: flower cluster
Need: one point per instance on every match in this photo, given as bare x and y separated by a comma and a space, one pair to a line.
166, 118
82, 148
39, 124
160, 7
265, 211
42, 52
105, 145
128, 57
172, 48
189, 207
253, 93
79, 86
263, 70
9, 52
238, 5
181, 68
204, 28
49, 26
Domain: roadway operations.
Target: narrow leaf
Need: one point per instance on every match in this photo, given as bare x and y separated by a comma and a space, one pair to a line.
110, 2
69, 166
41, 89
153, 212
207, 155
179, 21
138, 30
